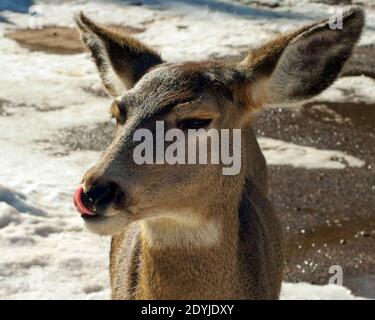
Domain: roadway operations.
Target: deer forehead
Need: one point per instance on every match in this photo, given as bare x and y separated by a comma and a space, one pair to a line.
169, 85
192, 76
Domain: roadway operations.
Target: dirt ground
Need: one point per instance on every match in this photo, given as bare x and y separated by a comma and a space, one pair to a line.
58, 40
328, 215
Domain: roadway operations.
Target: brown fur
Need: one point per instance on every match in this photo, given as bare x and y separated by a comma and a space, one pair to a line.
188, 232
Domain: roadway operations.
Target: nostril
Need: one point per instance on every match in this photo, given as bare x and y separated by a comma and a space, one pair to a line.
100, 196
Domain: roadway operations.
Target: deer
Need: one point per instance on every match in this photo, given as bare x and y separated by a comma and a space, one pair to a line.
188, 231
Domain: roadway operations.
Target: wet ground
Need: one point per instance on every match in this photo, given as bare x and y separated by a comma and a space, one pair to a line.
328, 215
57, 40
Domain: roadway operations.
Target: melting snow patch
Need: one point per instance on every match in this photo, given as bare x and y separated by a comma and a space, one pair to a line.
7, 214
306, 291
18, 201
354, 89
279, 152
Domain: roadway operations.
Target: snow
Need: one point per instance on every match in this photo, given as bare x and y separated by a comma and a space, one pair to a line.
45, 251
279, 152
297, 291
360, 89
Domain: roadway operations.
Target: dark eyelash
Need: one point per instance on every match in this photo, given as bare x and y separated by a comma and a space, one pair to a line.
194, 123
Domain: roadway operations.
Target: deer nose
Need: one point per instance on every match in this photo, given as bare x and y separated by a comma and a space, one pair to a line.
96, 199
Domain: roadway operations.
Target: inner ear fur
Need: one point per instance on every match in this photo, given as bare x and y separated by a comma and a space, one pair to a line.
120, 58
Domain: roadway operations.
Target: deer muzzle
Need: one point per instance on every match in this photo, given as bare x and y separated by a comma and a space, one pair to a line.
96, 200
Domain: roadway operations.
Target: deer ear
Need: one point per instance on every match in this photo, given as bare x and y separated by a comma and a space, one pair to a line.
121, 59
301, 64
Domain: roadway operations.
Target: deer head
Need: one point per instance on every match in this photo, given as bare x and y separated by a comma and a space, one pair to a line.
194, 95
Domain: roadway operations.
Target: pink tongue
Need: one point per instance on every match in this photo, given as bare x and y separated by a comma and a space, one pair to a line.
79, 204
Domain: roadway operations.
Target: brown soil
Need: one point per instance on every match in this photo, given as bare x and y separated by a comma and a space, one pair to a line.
58, 40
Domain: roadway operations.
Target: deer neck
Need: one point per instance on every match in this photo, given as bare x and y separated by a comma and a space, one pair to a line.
185, 259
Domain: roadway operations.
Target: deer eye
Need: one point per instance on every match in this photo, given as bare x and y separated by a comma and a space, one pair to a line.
194, 124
